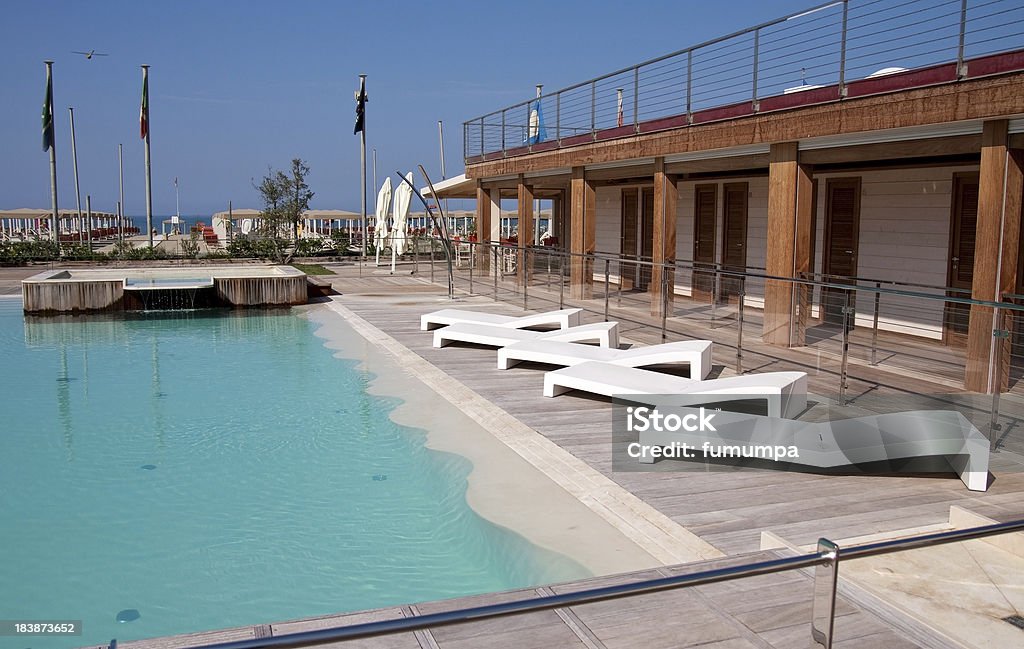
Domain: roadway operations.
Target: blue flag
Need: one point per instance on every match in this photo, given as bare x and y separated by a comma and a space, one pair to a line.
536, 131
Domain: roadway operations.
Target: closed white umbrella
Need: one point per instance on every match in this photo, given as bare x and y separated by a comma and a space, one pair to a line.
400, 217
380, 228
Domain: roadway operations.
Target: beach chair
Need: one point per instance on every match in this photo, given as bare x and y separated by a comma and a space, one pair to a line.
784, 392
695, 353
606, 334
944, 434
563, 319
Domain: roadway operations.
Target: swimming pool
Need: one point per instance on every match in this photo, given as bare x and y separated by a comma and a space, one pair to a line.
214, 469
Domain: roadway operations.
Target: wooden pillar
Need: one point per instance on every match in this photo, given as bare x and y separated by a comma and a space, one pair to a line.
666, 196
483, 226
804, 243
789, 243
525, 213
583, 207
996, 247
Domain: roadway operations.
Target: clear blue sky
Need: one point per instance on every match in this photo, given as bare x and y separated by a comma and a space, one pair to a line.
237, 86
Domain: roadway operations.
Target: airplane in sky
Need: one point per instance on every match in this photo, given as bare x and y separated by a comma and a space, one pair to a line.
90, 54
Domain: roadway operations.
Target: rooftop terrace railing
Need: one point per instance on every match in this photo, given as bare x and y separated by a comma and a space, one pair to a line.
824, 53
826, 560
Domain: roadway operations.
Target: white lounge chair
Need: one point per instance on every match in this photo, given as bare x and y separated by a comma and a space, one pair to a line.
696, 353
605, 334
844, 442
563, 319
785, 392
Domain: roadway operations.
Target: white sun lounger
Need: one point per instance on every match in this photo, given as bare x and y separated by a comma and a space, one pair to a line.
697, 353
785, 392
845, 442
563, 319
605, 334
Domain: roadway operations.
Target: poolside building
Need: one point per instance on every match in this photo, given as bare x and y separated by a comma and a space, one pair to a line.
856, 143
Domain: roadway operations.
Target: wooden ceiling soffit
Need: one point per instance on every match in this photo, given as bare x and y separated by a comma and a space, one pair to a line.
936, 146
643, 173
757, 161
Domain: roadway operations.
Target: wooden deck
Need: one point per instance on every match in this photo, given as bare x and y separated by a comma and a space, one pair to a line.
728, 509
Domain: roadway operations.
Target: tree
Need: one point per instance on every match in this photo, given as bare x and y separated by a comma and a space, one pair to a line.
285, 198
299, 194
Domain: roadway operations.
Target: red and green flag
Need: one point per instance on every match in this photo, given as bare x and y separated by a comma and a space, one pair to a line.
48, 113
144, 111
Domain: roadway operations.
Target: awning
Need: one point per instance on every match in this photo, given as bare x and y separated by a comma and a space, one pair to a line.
454, 187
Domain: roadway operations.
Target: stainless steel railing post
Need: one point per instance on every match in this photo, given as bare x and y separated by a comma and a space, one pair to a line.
961, 69
846, 347
607, 263
823, 605
664, 303
526, 280
472, 256
996, 371
496, 268
431, 240
739, 328
757, 41
714, 295
561, 282
874, 325
842, 51
593, 109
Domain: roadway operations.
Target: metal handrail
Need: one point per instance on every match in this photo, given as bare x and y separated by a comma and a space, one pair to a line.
619, 591
711, 267
835, 41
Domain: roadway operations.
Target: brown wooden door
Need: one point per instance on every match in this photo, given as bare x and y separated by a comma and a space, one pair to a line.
962, 230
628, 246
704, 208
842, 232
646, 236
734, 239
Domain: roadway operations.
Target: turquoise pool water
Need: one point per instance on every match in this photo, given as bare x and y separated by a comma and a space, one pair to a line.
219, 469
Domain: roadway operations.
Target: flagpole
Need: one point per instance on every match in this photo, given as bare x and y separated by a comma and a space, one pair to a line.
440, 137
120, 210
362, 156
55, 228
74, 158
375, 189
149, 171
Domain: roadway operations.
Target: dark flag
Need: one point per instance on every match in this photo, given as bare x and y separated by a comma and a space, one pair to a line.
144, 110
48, 113
361, 100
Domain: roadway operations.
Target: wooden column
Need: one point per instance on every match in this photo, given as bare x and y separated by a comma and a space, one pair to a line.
483, 226
996, 248
525, 199
804, 243
666, 196
788, 248
583, 205
495, 215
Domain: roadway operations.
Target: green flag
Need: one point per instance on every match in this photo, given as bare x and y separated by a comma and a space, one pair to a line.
48, 113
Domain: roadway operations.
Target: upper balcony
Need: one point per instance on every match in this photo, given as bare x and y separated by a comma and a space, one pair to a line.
827, 53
